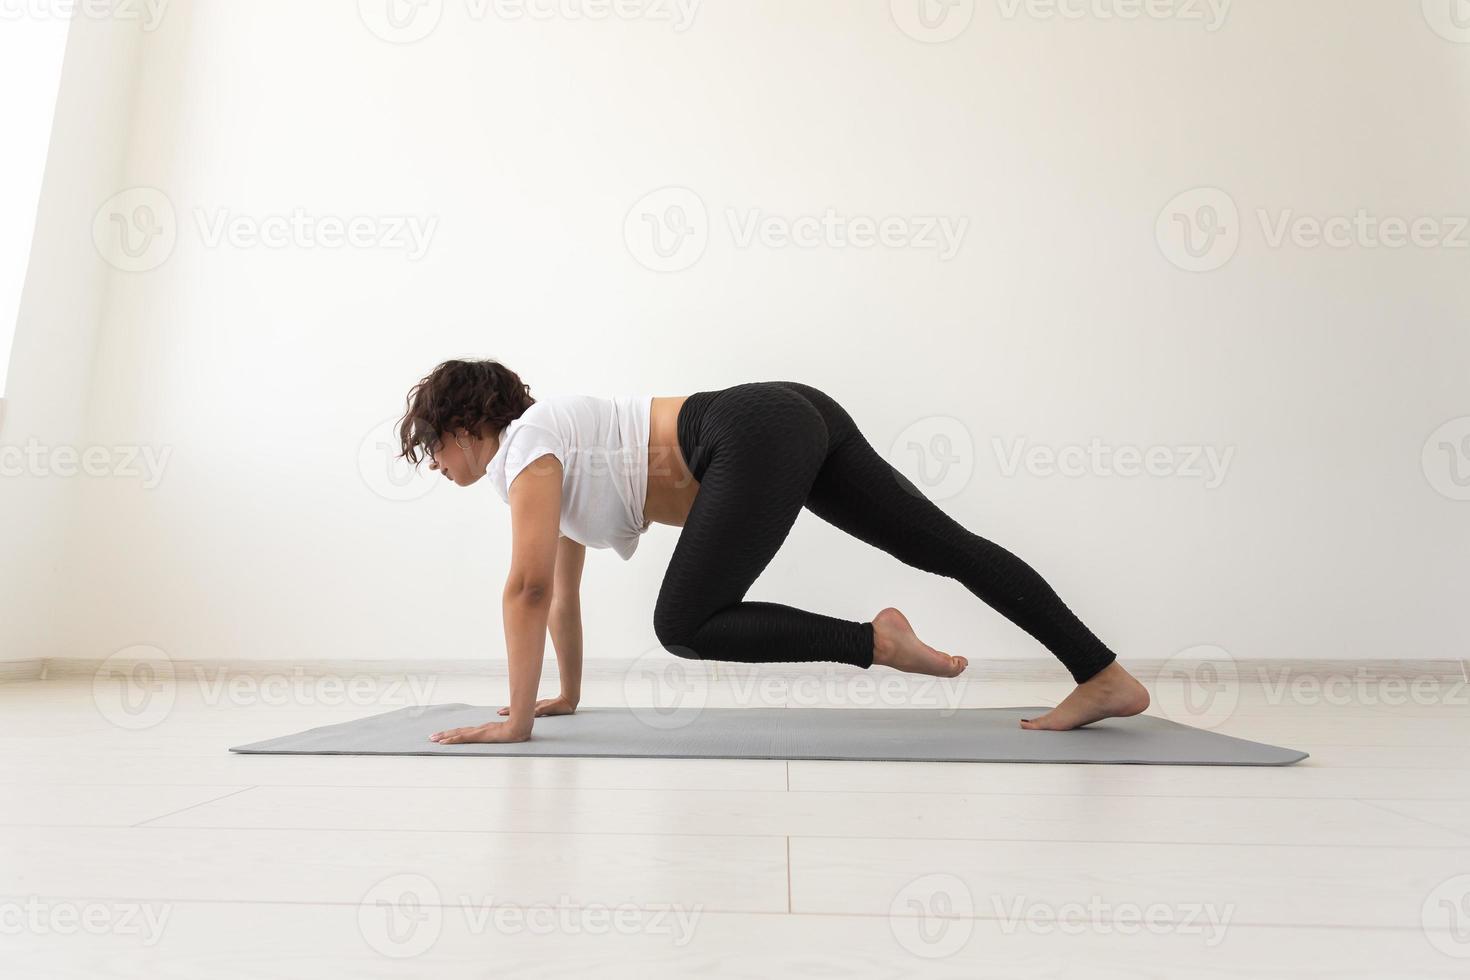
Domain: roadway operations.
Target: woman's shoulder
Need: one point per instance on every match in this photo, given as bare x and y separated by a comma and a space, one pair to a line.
541, 428
540, 412
564, 412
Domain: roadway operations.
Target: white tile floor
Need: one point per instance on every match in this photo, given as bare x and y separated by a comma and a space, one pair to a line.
151, 852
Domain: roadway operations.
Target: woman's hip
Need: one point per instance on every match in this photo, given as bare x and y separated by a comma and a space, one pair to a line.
754, 423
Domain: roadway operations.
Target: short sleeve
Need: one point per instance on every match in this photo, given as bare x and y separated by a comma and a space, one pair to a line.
528, 443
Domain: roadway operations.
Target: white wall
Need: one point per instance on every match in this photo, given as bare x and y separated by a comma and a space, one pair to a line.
31, 52
1060, 320
56, 329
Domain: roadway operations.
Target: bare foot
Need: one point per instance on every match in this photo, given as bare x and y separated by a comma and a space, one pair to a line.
1110, 693
895, 645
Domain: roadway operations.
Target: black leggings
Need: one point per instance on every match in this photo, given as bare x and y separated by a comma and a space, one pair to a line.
761, 451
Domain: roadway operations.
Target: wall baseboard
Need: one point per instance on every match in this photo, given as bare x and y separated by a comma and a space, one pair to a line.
1030, 669
22, 670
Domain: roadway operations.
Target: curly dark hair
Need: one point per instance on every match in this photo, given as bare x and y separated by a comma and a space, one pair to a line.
482, 396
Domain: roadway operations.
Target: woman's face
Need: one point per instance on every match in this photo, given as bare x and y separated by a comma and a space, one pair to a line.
461, 457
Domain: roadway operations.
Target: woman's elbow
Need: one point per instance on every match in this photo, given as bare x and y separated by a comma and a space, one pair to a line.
528, 591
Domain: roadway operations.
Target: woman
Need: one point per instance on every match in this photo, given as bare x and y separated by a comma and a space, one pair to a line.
733, 468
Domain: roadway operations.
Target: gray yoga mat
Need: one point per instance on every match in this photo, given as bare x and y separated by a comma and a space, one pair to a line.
868, 734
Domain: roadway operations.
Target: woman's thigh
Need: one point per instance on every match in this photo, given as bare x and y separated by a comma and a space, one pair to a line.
765, 445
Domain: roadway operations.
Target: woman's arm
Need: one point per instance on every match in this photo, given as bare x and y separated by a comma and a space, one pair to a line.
566, 618
565, 624
535, 517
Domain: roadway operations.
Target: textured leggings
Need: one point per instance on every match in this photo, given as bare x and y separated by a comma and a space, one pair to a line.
762, 451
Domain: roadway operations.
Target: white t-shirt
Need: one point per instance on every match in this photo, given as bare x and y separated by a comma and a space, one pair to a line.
602, 444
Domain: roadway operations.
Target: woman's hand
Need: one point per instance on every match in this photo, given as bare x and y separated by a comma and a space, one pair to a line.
494, 731
559, 705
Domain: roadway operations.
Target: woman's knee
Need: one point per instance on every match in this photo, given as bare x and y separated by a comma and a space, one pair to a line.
674, 632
